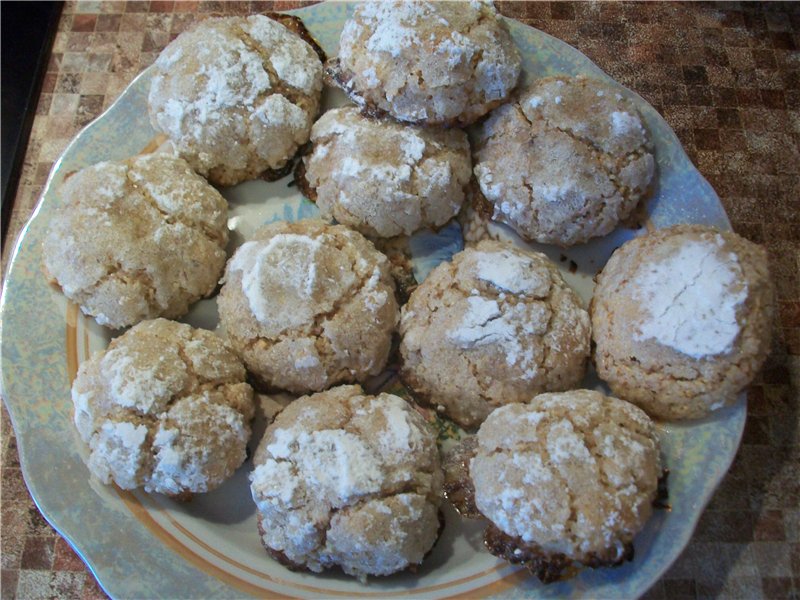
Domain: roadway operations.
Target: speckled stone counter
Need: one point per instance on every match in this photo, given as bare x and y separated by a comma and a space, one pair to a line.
727, 79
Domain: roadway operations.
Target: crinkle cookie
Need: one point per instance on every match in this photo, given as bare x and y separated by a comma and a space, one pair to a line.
164, 407
136, 239
682, 320
432, 63
349, 480
237, 96
385, 179
308, 305
568, 478
496, 325
565, 162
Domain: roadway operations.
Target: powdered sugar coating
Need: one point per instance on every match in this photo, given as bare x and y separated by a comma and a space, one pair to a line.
136, 239
236, 95
166, 408
682, 320
386, 179
428, 62
571, 473
691, 297
345, 479
565, 162
309, 305
474, 338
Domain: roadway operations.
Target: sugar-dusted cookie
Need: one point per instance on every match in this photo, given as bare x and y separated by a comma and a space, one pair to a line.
498, 324
309, 305
165, 407
565, 161
682, 320
383, 178
349, 480
136, 239
237, 96
431, 63
565, 480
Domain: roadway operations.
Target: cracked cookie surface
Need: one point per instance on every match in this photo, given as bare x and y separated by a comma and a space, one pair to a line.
498, 324
385, 179
308, 305
136, 239
432, 63
565, 162
349, 480
682, 320
566, 478
165, 407
237, 96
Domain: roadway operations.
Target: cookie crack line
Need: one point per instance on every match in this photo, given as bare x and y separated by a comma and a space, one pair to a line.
89, 291
597, 153
314, 329
401, 487
545, 346
276, 83
168, 217
571, 499
483, 390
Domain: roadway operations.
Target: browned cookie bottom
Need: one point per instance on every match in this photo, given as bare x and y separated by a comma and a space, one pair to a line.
458, 487
300, 179
548, 567
296, 26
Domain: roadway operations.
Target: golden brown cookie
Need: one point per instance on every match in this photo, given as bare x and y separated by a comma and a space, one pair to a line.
136, 239
308, 305
349, 480
165, 407
568, 478
564, 162
682, 320
385, 179
498, 324
431, 63
236, 96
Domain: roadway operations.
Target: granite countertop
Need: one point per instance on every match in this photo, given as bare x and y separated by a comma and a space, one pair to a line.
727, 79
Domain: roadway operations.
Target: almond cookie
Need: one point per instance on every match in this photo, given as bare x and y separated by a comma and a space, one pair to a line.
165, 407
349, 480
432, 63
496, 325
567, 479
682, 320
565, 162
136, 239
237, 96
385, 179
308, 305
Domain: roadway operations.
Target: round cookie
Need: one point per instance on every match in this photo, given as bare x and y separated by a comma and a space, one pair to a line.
568, 478
164, 407
682, 320
496, 325
565, 162
349, 480
385, 179
136, 239
432, 63
236, 96
308, 305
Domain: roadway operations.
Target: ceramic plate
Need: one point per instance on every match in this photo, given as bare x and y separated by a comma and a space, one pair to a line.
141, 546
